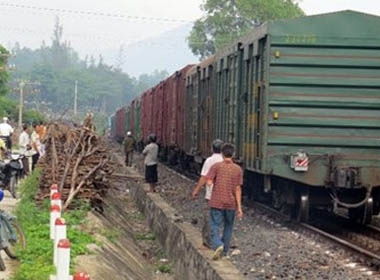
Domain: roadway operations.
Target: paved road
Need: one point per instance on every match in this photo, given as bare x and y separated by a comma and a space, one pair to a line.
8, 204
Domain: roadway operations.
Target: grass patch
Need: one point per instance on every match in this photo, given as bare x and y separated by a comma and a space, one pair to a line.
145, 236
165, 268
111, 234
136, 216
36, 260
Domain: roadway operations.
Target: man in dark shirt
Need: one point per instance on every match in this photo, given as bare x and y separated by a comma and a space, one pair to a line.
227, 178
129, 146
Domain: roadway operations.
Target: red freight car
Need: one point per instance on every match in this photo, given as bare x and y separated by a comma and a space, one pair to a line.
158, 111
162, 113
120, 124
132, 117
146, 113
173, 114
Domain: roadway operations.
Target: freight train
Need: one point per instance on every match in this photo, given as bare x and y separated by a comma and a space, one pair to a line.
300, 100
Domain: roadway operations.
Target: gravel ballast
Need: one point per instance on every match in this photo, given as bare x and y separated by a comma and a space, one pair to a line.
264, 246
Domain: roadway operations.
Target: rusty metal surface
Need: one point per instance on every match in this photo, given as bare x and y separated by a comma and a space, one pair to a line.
176, 107
199, 109
146, 113
120, 116
158, 111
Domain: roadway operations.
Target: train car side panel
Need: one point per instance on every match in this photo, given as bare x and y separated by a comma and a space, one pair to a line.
146, 113
120, 124
128, 118
324, 100
199, 110
191, 112
179, 87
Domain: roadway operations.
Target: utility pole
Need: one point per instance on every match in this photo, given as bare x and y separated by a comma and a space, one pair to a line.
22, 85
75, 98
21, 105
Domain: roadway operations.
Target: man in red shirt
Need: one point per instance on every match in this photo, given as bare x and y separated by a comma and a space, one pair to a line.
227, 178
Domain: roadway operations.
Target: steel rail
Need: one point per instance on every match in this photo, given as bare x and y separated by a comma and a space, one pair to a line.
327, 235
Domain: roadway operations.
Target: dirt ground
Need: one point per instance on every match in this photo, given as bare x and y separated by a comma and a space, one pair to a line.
127, 249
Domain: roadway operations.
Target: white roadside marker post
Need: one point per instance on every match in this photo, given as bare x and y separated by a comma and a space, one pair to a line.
55, 212
59, 234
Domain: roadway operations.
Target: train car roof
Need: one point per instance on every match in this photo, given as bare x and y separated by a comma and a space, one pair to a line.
202, 64
323, 28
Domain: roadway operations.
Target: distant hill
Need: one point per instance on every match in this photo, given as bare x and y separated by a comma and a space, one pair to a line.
168, 51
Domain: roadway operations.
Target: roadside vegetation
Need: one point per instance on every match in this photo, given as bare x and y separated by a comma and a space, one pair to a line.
226, 21
36, 261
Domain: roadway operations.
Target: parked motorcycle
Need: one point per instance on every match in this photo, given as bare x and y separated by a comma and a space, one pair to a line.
11, 169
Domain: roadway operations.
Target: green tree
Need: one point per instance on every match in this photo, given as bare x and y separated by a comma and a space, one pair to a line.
147, 81
56, 66
227, 20
3, 70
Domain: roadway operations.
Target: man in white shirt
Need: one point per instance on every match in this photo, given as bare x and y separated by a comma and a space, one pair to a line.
209, 162
151, 160
36, 146
24, 146
6, 132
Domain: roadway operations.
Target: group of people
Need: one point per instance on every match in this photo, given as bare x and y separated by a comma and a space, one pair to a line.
222, 179
151, 157
29, 142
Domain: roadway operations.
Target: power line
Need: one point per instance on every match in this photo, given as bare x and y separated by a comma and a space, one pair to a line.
105, 39
86, 37
92, 13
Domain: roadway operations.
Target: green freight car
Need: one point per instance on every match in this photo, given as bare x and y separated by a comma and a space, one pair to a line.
199, 111
300, 99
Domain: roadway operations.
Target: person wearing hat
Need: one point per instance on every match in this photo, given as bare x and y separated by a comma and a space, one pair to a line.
151, 160
6, 131
129, 147
209, 162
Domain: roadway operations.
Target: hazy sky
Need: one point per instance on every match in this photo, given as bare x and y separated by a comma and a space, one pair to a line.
106, 24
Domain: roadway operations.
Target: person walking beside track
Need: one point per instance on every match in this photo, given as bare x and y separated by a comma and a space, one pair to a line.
151, 153
209, 162
24, 146
129, 147
36, 146
227, 178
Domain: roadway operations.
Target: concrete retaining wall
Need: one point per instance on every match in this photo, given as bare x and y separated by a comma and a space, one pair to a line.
181, 241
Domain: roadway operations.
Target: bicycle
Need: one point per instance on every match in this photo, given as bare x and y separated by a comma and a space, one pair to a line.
11, 234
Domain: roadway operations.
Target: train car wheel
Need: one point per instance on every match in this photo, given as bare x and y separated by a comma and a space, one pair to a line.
302, 208
362, 214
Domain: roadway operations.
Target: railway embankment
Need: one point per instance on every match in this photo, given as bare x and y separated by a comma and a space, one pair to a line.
122, 253
264, 245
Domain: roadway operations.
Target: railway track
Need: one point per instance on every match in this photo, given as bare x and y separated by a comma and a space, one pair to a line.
362, 239
363, 242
